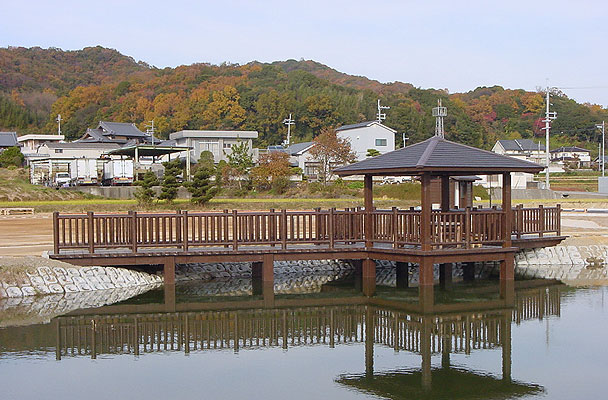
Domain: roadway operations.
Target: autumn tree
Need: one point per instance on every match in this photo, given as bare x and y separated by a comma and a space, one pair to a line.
329, 151
273, 171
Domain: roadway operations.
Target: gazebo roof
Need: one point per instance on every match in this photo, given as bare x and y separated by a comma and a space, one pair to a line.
439, 156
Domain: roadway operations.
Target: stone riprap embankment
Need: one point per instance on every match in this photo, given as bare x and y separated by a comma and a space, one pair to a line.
30, 276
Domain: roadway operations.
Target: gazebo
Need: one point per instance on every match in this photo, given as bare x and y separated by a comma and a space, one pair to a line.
446, 235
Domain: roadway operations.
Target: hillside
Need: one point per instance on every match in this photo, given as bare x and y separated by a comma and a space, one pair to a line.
92, 84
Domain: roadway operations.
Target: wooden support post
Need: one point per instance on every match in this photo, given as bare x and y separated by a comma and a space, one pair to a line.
368, 197
505, 344
402, 271
91, 231
318, 217
169, 296
425, 215
445, 275
519, 219
468, 271
268, 268
506, 209
256, 269
426, 296
185, 235
235, 227
57, 340
368, 286
56, 232
133, 231
369, 268
425, 352
395, 227
445, 193
169, 270
369, 341
507, 279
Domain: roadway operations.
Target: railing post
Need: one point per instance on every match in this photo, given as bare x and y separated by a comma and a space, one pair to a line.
519, 212
235, 241
185, 230
225, 226
394, 227
559, 220
133, 231
541, 220
91, 232
272, 227
467, 227
283, 225
56, 232
317, 224
331, 228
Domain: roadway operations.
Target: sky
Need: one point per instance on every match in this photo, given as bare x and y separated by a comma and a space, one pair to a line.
454, 45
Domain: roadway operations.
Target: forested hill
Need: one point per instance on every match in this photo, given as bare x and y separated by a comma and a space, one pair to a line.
93, 84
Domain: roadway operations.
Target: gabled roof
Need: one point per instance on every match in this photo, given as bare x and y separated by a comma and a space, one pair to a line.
120, 129
363, 125
8, 139
298, 148
521, 145
437, 155
569, 149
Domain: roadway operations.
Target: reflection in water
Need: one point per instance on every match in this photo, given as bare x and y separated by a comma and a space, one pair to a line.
422, 329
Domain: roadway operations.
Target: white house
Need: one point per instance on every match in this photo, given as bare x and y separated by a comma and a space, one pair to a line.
368, 135
572, 154
299, 156
525, 149
219, 143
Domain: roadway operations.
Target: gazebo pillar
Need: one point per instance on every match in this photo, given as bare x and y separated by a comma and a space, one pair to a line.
506, 208
368, 202
445, 193
425, 215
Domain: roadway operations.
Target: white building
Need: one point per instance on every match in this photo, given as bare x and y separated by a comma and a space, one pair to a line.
368, 135
525, 149
219, 143
572, 154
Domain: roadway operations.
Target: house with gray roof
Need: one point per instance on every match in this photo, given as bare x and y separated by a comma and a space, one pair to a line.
368, 135
8, 139
219, 143
525, 149
115, 132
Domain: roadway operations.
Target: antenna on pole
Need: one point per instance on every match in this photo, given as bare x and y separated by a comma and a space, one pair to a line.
439, 112
150, 131
381, 116
289, 122
549, 116
59, 124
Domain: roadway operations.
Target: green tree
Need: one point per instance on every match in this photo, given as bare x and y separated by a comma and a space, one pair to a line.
145, 193
240, 160
11, 156
372, 153
200, 187
170, 183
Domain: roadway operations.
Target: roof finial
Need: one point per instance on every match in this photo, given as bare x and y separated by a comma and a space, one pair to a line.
439, 112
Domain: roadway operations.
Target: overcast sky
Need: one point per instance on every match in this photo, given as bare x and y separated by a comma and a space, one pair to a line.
458, 45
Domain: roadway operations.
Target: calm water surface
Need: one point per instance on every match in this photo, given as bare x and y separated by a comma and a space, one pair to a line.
317, 346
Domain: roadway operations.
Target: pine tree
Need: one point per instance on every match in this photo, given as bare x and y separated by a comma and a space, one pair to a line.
200, 187
170, 183
145, 192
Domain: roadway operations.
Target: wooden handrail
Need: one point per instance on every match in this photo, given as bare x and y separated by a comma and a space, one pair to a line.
396, 228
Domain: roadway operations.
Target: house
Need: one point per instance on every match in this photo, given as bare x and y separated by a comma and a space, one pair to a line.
7, 139
299, 156
368, 135
219, 143
73, 150
572, 155
115, 132
525, 149
30, 143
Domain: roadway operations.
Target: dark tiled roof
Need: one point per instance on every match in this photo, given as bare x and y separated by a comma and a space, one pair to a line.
521, 145
298, 147
8, 139
437, 154
569, 149
121, 129
362, 125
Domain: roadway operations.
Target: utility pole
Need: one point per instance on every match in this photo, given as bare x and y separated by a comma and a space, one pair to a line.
549, 116
439, 112
381, 116
150, 131
289, 122
59, 124
602, 146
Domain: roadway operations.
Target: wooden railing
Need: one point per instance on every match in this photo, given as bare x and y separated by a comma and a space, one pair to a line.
330, 228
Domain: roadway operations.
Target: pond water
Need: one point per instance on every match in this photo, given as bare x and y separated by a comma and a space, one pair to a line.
200, 343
